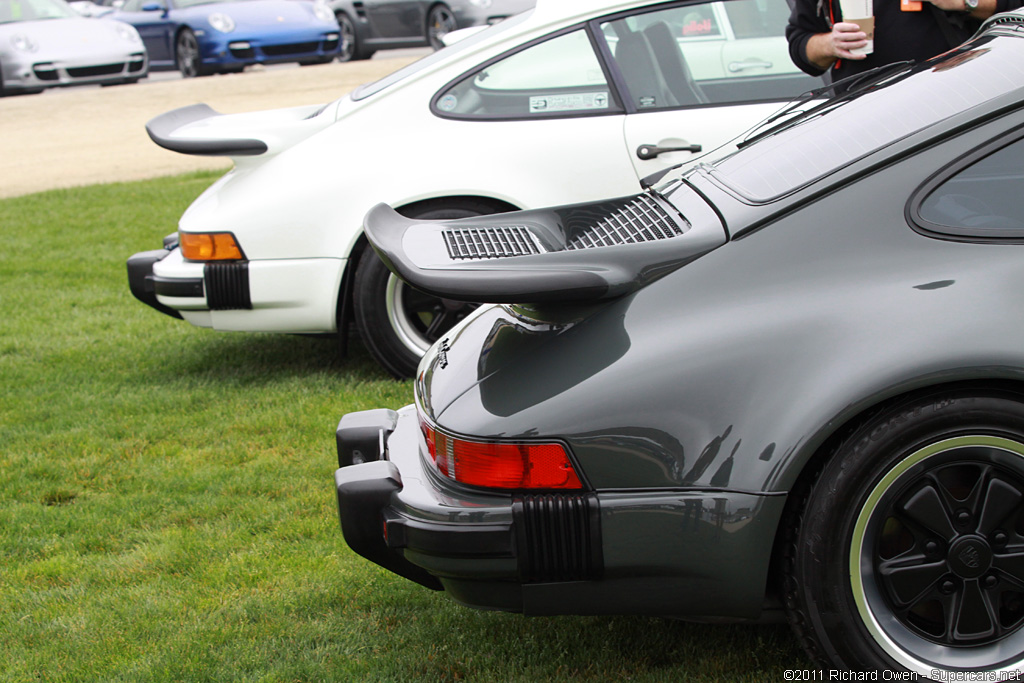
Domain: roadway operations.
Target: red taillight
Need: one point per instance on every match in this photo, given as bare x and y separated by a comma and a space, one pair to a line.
501, 465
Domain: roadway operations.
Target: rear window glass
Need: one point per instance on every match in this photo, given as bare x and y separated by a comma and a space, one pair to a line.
368, 89
865, 122
982, 199
560, 76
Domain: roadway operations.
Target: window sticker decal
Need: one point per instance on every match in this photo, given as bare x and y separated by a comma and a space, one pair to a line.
699, 27
573, 102
448, 103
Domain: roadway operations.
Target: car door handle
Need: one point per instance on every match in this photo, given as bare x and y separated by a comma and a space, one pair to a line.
646, 152
736, 67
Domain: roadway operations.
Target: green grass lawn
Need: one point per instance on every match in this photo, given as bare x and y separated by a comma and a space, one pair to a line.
166, 497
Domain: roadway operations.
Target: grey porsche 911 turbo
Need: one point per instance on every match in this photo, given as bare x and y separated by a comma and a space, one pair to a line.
790, 378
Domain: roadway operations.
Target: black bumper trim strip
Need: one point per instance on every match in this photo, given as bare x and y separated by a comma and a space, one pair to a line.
190, 288
449, 540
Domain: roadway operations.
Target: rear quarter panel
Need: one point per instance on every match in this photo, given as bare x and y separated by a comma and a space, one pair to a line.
731, 372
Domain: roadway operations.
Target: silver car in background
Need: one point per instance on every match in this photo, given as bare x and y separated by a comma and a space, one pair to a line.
46, 44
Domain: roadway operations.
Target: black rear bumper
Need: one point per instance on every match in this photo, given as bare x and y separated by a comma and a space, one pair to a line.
684, 553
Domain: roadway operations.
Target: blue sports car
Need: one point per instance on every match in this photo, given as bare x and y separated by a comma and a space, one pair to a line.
202, 37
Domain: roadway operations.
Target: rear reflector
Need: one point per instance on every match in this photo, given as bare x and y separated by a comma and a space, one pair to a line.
500, 465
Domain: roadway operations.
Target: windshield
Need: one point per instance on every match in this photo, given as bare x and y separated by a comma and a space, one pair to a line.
33, 10
368, 89
858, 123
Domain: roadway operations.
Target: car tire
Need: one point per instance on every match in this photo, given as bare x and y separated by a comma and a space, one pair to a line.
352, 48
440, 22
907, 552
396, 322
186, 55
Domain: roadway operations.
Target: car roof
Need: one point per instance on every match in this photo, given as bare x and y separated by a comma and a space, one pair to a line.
553, 10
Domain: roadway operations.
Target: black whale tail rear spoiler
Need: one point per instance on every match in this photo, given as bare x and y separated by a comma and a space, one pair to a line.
573, 253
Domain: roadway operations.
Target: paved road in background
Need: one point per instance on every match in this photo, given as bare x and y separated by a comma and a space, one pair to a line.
79, 136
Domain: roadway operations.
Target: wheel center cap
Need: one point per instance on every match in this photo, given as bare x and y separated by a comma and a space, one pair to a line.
970, 557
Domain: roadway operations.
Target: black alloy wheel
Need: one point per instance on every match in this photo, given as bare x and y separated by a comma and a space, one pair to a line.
440, 22
352, 48
938, 550
909, 553
396, 322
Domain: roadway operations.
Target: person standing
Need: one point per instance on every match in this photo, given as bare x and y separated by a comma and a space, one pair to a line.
819, 40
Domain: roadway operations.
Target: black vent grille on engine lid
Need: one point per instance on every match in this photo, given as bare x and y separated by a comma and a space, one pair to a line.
496, 242
641, 220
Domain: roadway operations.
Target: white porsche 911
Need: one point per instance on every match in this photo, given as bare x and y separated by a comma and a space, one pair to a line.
571, 101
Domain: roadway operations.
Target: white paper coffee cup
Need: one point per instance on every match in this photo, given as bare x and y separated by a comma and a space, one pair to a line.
867, 25
860, 12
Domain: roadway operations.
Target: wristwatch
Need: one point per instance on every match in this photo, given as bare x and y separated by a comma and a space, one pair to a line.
970, 5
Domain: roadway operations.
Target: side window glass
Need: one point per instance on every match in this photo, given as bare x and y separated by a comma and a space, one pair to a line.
757, 18
706, 54
693, 21
557, 78
983, 199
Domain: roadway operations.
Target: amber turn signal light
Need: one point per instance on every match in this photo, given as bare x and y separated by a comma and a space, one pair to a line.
214, 246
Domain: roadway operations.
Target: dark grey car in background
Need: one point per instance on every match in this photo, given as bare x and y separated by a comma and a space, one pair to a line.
371, 25
792, 376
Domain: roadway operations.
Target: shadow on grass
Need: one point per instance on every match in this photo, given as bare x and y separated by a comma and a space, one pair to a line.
454, 643
244, 359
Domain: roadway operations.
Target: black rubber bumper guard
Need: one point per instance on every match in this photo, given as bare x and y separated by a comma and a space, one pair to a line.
553, 536
140, 276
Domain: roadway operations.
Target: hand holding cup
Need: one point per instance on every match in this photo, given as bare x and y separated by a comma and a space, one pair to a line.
850, 41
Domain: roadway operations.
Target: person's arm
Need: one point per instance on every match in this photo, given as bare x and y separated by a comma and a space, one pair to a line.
805, 22
984, 10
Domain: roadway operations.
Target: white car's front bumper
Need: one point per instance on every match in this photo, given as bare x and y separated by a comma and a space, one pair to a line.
279, 295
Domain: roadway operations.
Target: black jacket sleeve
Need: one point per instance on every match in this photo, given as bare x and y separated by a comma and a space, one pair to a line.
804, 22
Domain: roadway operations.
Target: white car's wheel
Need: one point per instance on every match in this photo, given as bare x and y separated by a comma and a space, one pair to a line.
396, 322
